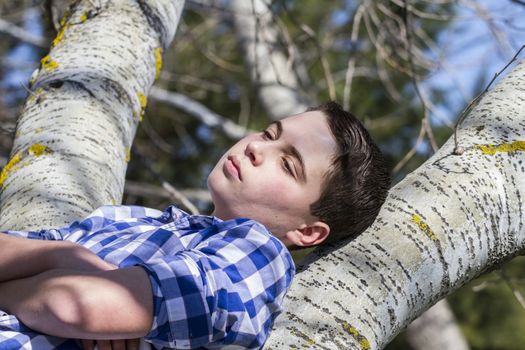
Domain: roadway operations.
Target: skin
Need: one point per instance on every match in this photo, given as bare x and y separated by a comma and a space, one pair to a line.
63, 289
268, 187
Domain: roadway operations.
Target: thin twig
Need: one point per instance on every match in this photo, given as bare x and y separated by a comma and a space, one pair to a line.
351, 61
499, 36
517, 294
422, 14
177, 195
147, 190
410, 154
428, 127
256, 43
458, 150
21, 34
310, 34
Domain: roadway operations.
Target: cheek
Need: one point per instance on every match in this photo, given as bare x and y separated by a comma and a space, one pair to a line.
281, 192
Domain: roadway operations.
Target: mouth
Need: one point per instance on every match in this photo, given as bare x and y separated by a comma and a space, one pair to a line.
232, 167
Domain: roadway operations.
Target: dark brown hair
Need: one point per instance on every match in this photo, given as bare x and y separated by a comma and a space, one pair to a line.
357, 183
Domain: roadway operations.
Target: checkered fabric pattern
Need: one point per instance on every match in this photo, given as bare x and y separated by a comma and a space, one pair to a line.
216, 284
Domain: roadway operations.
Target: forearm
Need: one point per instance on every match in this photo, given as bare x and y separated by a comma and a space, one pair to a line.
23, 258
87, 305
24, 299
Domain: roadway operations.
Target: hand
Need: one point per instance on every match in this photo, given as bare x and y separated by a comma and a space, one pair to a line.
120, 344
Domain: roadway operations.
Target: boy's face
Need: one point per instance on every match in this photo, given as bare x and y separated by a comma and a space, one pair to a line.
274, 176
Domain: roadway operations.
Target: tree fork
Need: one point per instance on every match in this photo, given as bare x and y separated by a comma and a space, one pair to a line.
86, 101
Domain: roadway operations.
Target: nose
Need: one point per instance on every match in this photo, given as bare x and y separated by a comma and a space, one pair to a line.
255, 151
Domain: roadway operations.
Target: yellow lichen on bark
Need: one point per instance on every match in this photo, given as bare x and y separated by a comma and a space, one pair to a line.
127, 154
32, 97
308, 340
60, 35
143, 101
64, 18
424, 226
158, 61
504, 147
9, 167
48, 64
37, 150
363, 342
83, 17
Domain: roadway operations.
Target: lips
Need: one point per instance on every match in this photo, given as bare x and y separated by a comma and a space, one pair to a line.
232, 167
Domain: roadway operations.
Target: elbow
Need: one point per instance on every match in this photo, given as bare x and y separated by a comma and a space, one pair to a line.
60, 311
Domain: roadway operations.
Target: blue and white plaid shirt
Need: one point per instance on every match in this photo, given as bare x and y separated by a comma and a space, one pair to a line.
215, 283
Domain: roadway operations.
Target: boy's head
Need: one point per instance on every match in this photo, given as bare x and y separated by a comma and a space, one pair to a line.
312, 177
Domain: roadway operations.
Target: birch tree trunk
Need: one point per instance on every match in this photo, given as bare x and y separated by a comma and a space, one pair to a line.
454, 218
278, 84
75, 132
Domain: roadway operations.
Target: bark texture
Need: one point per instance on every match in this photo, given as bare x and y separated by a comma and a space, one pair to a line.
451, 220
278, 84
74, 135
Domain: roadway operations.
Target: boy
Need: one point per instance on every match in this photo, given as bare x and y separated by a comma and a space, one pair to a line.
185, 281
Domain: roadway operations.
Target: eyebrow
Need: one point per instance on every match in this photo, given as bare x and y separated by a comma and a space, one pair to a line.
291, 150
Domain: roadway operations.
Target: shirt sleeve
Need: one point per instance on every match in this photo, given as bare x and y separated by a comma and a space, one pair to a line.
226, 291
96, 221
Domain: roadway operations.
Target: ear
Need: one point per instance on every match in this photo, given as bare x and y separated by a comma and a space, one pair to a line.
309, 235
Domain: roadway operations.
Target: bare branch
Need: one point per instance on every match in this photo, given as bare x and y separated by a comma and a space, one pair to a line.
199, 111
426, 120
517, 294
147, 190
412, 152
177, 195
351, 62
499, 35
21, 34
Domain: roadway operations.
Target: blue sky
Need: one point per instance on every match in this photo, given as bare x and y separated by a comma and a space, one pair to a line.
21, 60
472, 51
469, 43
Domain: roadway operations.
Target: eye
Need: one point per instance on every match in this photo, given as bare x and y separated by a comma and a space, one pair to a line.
267, 135
287, 166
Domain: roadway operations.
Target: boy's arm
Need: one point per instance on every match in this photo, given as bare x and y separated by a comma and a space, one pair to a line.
23, 257
116, 304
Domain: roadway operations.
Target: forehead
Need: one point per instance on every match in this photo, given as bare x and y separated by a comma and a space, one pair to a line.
310, 134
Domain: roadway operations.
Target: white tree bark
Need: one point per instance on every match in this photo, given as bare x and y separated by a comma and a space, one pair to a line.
278, 84
454, 218
76, 129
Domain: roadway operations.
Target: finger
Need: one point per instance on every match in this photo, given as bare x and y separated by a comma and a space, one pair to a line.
118, 344
132, 344
103, 345
87, 344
